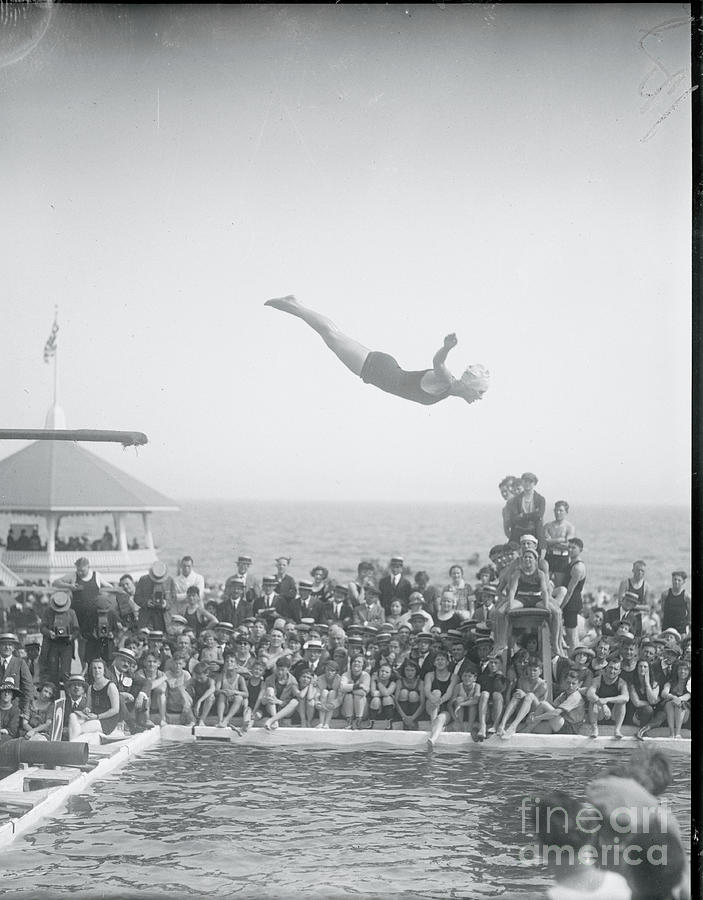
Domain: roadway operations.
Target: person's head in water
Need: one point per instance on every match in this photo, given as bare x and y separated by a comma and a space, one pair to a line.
474, 383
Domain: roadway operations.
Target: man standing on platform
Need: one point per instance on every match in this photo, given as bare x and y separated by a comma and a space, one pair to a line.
287, 588
85, 586
270, 603
155, 596
572, 602
676, 605
637, 584
395, 586
252, 589
235, 607
13, 667
524, 513
626, 613
304, 605
187, 577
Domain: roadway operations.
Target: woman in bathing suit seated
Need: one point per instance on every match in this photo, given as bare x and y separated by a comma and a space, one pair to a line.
426, 386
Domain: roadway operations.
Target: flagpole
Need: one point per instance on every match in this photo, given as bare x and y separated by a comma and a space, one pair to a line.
56, 360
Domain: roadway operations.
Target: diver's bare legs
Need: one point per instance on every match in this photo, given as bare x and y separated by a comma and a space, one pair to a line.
350, 352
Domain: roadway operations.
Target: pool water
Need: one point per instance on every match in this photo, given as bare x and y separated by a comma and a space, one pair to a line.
208, 820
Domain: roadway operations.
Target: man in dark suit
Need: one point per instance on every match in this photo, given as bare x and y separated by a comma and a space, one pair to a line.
395, 586
524, 513
304, 605
252, 589
286, 588
338, 610
626, 613
235, 607
270, 602
12, 666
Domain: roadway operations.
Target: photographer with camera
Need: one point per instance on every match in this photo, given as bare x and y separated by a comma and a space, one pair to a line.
84, 585
102, 628
60, 630
156, 597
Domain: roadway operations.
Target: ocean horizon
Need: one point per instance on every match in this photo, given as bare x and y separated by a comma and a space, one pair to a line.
429, 535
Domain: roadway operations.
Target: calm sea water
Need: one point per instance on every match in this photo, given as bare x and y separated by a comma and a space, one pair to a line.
429, 536
217, 821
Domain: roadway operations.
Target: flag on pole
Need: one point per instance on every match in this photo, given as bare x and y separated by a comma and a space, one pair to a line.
50, 345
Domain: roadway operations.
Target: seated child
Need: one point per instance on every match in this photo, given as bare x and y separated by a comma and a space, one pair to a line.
255, 684
466, 699
330, 695
154, 686
178, 701
279, 695
354, 687
306, 696
566, 714
493, 685
210, 650
202, 692
231, 691
410, 694
530, 691
382, 702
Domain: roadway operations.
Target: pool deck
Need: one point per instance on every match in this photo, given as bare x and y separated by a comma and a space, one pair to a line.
33, 793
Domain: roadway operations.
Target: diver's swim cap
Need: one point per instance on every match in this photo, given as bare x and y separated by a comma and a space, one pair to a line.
477, 377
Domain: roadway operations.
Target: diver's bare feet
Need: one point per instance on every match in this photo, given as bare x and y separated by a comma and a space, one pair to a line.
287, 304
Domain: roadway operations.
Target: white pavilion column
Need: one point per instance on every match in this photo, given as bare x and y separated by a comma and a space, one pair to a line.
147, 531
51, 525
121, 531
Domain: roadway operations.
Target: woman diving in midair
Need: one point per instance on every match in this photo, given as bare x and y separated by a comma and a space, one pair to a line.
426, 386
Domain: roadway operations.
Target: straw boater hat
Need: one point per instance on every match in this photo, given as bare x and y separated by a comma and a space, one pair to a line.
60, 602
158, 573
8, 637
76, 679
313, 645
126, 653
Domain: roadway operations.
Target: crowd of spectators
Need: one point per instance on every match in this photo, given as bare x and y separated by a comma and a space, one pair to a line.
33, 542
388, 649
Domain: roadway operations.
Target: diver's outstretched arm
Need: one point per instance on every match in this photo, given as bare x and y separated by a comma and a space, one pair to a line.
440, 358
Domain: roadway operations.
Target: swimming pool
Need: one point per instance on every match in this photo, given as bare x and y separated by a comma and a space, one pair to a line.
215, 821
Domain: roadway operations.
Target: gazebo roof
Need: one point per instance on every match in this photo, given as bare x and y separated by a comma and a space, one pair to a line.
56, 476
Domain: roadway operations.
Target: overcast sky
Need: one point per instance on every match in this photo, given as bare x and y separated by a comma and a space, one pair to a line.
519, 175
